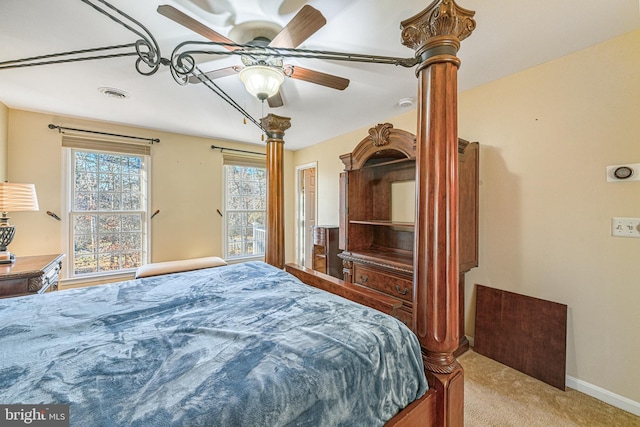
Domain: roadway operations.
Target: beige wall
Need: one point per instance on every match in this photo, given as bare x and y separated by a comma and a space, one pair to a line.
4, 119
186, 177
546, 136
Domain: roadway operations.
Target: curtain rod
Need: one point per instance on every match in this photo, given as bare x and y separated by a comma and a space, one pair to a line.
235, 149
61, 129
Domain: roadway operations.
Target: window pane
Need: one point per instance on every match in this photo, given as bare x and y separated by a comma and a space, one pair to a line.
131, 183
83, 224
131, 259
86, 162
109, 201
109, 262
108, 223
84, 264
131, 202
132, 164
109, 242
132, 222
86, 181
84, 243
109, 163
131, 242
258, 218
84, 202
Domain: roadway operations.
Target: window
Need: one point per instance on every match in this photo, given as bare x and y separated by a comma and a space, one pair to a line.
107, 209
245, 207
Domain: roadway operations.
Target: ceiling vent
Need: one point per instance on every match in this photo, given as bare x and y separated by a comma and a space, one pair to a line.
113, 93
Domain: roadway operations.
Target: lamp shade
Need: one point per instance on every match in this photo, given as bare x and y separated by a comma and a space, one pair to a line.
18, 197
262, 81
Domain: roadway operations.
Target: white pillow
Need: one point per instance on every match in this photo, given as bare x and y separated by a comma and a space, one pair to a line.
158, 268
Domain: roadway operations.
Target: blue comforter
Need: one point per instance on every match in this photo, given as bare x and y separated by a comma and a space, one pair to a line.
241, 345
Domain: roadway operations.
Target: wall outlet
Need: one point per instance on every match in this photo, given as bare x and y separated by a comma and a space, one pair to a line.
625, 227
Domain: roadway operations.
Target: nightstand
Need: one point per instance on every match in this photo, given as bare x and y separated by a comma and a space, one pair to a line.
30, 275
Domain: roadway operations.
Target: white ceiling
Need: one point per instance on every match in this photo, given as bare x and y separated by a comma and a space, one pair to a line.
510, 36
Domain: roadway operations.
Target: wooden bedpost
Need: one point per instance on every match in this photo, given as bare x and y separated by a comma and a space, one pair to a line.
274, 127
435, 35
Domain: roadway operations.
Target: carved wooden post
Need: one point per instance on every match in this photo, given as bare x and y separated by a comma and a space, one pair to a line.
274, 127
435, 35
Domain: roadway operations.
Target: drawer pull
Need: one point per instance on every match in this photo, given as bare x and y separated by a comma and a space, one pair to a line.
402, 292
363, 279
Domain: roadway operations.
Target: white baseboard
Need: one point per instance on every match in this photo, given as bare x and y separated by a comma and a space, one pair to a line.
604, 395
597, 392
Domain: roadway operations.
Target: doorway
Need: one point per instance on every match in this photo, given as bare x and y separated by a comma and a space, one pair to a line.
306, 212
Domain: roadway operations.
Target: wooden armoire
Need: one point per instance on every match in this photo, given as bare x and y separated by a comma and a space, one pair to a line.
376, 229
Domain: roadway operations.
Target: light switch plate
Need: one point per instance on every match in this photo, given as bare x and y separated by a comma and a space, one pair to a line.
625, 227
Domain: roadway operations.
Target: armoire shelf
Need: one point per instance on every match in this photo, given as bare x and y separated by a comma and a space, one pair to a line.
383, 223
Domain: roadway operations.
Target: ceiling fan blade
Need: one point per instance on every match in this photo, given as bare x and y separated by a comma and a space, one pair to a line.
306, 22
316, 77
275, 101
193, 24
216, 74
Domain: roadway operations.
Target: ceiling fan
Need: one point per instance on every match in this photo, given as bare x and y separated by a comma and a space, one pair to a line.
263, 71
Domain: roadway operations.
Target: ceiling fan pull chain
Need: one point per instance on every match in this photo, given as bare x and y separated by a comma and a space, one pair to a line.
262, 115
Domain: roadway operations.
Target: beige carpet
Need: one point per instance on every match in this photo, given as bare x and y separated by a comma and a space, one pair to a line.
496, 395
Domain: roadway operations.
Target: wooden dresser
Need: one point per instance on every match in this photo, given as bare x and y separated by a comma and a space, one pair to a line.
325, 250
377, 195
30, 275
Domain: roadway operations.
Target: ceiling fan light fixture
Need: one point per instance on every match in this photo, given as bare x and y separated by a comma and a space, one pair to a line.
262, 81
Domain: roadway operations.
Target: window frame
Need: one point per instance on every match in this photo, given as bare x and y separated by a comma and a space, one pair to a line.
242, 161
103, 147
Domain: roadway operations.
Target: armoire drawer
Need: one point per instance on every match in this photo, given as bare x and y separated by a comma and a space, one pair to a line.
384, 282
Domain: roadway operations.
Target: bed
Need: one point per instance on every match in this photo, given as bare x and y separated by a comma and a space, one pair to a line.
154, 395
239, 345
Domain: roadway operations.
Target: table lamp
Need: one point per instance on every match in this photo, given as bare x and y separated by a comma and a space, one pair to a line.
13, 198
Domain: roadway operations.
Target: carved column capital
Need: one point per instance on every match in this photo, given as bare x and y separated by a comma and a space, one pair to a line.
438, 30
275, 126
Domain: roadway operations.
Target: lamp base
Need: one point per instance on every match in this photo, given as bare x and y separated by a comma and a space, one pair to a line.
7, 257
